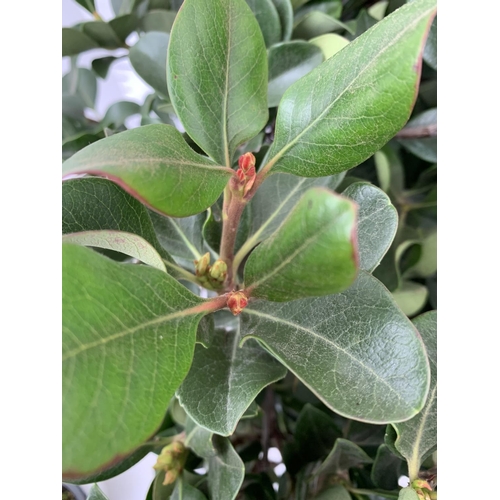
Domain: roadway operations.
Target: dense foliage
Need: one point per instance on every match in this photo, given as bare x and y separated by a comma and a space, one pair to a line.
254, 267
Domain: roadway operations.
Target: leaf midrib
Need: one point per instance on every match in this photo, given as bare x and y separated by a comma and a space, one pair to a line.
373, 61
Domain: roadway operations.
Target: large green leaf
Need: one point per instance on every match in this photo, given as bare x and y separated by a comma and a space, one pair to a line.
103, 34
217, 75
330, 44
386, 469
317, 23
416, 438
87, 4
344, 455
119, 241
411, 297
355, 350
74, 42
224, 379
377, 223
269, 21
118, 112
101, 65
82, 84
149, 58
313, 253
158, 20
288, 62
226, 470
184, 491
340, 114
199, 439
155, 165
128, 340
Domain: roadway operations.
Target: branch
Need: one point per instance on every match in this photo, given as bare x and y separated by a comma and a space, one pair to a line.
418, 132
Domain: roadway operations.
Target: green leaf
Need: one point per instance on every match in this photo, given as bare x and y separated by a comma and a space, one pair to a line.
339, 115
124, 25
155, 165
91, 204
269, 21
423, 147
411, 297
180, 237
224, 379
334, 493
390, 171
344, 455
119, 241
74, 143
377, 11
74, 42
355, 350
87, 4
416, 438
226, 470
313, 253
220, 96
199, 439
317, 23
288, 62
408, 494
82, 84
149, 58
122, 7
377, 223
103, 34
285, 13
184, 491
430, 50
118, 112
330, 44
158, 20
128, 340
386, 469
273, 201
101, 66
96, 494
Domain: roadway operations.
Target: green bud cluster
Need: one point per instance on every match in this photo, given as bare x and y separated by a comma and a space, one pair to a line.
210, 276
171, 460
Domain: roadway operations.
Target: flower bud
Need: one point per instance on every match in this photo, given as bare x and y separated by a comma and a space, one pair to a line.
171, 460
246, 172
219, 271
201, 266
246, 162
237, 301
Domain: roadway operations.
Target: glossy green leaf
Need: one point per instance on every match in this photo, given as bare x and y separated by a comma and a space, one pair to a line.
411, 297
339, 114
101, 66
103, 34
184, 491
87, 4
158, 20
355, 350
119, 241
119, 322
156, 166
269, 21
430, 50
317, 23
272, 203
74, 143
285, 13
226, 470
377, 223
220, 96
118, 112
416, 438
288, 62
330, 44
424, 147
314, 252
343, 456
224, 379
334, 493
386, 469
74, 42
96, 494
149, 58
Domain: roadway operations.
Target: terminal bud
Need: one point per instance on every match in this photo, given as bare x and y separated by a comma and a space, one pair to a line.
237, 301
